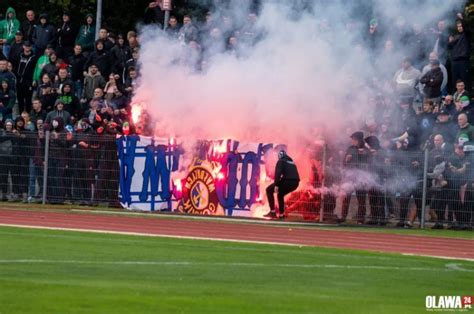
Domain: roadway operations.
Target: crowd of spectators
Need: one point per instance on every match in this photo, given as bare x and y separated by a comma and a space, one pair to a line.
56, 76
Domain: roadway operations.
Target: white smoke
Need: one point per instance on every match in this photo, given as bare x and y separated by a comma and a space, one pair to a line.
310, 68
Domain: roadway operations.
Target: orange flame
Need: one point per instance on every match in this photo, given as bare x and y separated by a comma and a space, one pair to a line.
178, 185
137, 109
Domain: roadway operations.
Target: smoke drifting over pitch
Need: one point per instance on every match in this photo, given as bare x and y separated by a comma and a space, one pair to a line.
311, 68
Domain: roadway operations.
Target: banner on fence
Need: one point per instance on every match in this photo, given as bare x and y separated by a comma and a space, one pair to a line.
222, 177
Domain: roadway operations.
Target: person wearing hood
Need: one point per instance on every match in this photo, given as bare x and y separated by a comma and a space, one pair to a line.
41, 63
67, 33
8, 28
101, 58
286, 181
59, 113
86, 35
56, 161
44, 35
70, 101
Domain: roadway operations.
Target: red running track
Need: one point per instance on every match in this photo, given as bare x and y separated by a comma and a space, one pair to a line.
295, 235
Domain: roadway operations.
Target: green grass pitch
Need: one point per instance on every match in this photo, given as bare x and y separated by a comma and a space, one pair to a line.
47, 271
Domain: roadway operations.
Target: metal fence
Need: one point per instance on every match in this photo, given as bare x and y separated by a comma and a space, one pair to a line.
433, 187
59, 168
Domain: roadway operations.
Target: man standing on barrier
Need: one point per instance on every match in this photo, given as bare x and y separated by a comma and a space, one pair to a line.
286, 181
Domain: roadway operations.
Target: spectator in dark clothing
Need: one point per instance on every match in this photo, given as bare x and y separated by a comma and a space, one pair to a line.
37, 112
83, 163
24, 76
7, 139
46, 92
377, 169
459, 44
154, 14
86, 36
440, 42
188, 32
418, 45
446, 127
107, 40
286, 181
44, 34
426, 121
56, 162
59, 113
432, 80
408, 163
131, 63
457, 171
7, 99
67, 33
70, 101
7, 75
92, 80
52, 67
76, 67
173, 28
62, 79
21, 154
101, 59
355, 160
16, 48
120, 53
29, 25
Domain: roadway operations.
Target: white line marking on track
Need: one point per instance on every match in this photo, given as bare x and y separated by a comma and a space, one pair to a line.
448, 267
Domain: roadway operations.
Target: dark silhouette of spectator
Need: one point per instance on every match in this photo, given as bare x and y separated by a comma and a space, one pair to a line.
44, 35
66, 33
86, 35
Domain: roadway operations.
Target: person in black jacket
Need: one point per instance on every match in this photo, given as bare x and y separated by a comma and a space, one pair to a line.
44, 35
29, 25
459, 45
24, 77
100, 58
67, 33
76, 67
432, 80
355, 160
16, 48
121, 52
286, 181
20, 161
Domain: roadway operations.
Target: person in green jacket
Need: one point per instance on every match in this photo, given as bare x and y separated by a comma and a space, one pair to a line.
86, 35
8, 28
42, 61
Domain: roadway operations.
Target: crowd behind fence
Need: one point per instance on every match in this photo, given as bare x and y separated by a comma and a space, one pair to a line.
402, 188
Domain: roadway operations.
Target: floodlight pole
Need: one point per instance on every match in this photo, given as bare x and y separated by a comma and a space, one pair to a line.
98, 20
